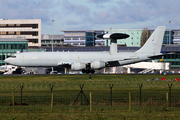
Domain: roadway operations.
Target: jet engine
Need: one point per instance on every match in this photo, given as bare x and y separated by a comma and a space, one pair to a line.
78, 66
97, 64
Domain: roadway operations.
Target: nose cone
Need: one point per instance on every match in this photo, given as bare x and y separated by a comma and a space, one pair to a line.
7, 60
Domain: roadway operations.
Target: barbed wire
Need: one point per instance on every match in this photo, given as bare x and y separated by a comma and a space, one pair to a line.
89, 84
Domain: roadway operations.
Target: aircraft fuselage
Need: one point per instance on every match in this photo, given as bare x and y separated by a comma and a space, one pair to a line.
53, 59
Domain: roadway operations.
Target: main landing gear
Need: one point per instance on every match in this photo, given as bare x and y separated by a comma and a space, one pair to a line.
88, 71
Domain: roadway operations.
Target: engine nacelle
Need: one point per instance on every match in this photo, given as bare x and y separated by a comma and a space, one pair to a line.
97, 64
78, 66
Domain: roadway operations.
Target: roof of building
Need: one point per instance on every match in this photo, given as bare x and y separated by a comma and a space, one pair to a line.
12, 39
52, 36
82, 30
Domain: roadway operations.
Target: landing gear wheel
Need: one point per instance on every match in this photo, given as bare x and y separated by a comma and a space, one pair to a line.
88, 71
92, 71
83, 71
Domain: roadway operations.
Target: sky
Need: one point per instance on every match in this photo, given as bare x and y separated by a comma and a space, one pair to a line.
94, 14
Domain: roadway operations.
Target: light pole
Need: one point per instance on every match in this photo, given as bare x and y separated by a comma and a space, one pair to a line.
169, 31
52, 33
52, 39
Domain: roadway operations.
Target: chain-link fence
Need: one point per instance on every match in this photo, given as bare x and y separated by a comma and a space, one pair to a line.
77, 100
69, 95
90, 84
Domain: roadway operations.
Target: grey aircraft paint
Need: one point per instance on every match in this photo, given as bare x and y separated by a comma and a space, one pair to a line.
89, 61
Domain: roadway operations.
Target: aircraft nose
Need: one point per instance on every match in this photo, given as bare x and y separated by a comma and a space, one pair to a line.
7, 60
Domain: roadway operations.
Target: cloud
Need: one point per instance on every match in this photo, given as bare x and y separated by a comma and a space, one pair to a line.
80, 10
73, 22
98, 1
131, 11
82, 26
26, 9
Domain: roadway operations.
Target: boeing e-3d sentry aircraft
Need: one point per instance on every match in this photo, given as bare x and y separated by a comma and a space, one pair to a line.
88, 62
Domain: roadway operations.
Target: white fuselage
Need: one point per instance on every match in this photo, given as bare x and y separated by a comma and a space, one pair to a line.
52, 59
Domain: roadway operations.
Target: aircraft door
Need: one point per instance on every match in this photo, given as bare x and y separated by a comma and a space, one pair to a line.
23, 58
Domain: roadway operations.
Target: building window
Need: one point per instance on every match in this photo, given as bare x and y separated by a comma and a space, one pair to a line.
33, 40
67, 38
75, 38
11, 33
18, 25
82, 38
35, 33
82, 34
11, 25
75, 34
2, 25
3, 33
18, 33
35, 26
68, 34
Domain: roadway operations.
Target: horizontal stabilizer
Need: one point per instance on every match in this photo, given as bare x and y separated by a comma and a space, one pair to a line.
160, 55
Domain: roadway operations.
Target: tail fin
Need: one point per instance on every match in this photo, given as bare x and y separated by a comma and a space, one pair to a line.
154, 43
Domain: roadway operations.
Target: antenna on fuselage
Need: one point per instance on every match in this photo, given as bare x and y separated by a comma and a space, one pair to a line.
22, 49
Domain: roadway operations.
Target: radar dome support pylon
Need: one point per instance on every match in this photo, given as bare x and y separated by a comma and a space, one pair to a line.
113, 37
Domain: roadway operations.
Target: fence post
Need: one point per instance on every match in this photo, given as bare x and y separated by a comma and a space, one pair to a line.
90, 102
51, 87
167, 101
129, 101
140, 86
21, 87
13, 101
111, 86
170, 85
51, 101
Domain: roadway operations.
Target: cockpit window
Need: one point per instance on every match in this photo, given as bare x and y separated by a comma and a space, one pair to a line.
13, 56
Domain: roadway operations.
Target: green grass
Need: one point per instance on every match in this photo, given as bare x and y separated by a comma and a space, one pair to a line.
98, 82
86, 115
37, 94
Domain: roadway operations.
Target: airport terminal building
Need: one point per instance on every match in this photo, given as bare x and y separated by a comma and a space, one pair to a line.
46, 40
83, 37
9, 46
29, 29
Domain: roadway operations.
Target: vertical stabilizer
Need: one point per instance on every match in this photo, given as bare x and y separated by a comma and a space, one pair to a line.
154, 43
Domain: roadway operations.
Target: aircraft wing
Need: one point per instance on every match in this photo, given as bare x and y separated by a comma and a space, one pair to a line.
111, 62
69, 63
127, 58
